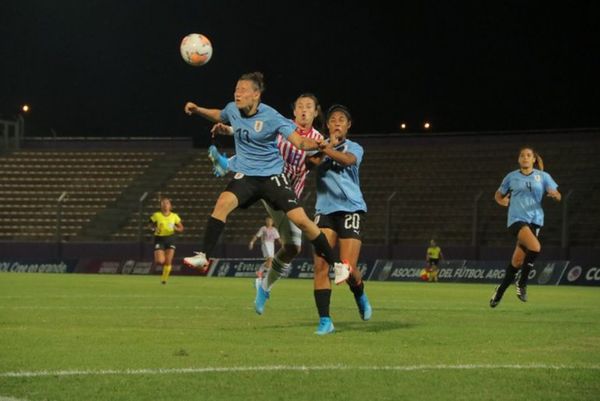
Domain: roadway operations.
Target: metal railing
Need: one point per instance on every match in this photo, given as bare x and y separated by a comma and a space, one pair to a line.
140, 219
59, 211
12, 133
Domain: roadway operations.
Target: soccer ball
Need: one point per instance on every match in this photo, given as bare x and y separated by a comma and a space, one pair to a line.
196, 49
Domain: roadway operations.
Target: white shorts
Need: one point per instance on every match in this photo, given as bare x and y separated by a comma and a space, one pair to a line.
268, 249
288, 232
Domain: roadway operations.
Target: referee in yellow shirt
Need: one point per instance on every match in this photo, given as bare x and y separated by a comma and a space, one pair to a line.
165, 223
433, 257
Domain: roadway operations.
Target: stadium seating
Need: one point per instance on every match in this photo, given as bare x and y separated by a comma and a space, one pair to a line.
434, 181
32, 181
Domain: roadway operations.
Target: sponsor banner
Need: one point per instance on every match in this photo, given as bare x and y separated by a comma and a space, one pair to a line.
98, 266
397, 270
235, 267
464, 271
576, 274
304, 268
134, 267
130, 267
300, 268
37, 266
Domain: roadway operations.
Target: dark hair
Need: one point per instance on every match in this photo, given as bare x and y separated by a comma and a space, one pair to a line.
340, 108
318, 121
257, 79
539, 162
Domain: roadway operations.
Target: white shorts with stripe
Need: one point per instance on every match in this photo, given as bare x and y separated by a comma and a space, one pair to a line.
268, 249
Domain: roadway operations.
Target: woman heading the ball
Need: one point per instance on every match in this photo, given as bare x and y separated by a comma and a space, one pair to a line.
522, 191
258, 169
307, 115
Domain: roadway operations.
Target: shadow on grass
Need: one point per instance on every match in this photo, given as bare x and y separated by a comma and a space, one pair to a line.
373, 326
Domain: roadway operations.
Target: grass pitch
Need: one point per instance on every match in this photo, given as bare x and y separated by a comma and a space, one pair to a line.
113, 337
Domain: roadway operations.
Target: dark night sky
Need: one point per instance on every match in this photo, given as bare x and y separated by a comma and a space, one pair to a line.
113, 68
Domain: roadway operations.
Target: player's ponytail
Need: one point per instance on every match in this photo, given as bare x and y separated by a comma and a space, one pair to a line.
257, 78
539, 162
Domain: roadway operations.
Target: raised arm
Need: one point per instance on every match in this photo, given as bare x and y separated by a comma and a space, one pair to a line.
213, 115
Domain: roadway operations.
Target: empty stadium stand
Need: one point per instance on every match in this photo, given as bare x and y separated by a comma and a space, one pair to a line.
433, 183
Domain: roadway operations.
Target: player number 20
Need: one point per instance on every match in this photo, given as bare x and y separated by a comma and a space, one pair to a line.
352, 221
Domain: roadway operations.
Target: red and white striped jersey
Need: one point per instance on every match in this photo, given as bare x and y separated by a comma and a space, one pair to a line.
295, 159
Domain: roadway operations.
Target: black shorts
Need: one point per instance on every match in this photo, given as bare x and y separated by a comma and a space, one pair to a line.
516, 227
345, 224
275, 190
162, 243
433, 262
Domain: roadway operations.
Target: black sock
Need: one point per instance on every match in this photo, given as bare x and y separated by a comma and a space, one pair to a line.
357, 289
278, 265
322, 300
530, 257
214, 228
323, 249
509, 277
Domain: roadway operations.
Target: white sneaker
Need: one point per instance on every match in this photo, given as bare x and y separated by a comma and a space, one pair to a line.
196, 262
342, 272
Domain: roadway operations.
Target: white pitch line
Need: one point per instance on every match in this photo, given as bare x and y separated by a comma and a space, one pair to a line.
233, 369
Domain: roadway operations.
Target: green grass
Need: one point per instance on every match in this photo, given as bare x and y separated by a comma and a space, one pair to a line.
123, 324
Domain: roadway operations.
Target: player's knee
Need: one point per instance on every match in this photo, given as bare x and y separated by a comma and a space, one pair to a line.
303, 224
321, 271
517, 262
224, 205
535, 248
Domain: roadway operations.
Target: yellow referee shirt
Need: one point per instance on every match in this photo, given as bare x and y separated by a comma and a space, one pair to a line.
433, 252
165, 225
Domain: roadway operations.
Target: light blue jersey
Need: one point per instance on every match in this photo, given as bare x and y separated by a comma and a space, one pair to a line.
256, 152
526, 194
338, 187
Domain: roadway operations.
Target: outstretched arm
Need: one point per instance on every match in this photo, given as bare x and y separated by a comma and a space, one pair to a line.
213, 115
302, 142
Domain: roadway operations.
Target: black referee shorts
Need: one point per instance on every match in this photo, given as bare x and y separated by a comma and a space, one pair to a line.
165, 242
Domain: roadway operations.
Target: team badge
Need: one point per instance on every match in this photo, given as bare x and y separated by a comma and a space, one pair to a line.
537, 177
258, 125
